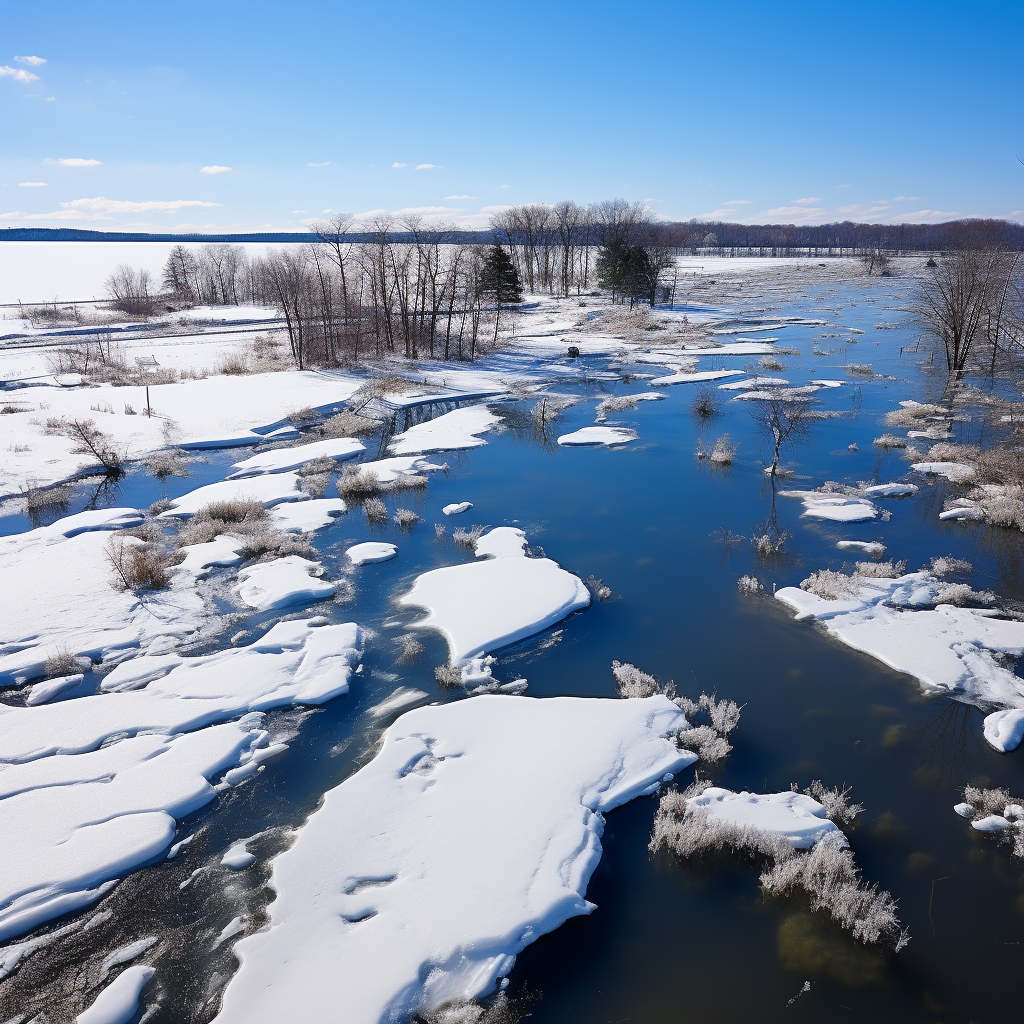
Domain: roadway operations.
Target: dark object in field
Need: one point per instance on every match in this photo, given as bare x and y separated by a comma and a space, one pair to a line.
573, 352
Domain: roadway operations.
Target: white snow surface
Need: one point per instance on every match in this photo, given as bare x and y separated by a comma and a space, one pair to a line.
456, 507
955, 472
946, 648
599, 436
119, 1001
396, 898
869, 547
890, 490
1004, 729
838, 508
371, 551
498, 599
306, 516
269, 490
76, 813
687, 377
276, 460
281, 582
454, 430
797, 818
753, 382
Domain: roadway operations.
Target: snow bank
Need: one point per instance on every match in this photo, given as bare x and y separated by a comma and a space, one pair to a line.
955, 472
268, 490
502, 597
119, 1001
211, 413
394, 898
281, 582
946, 648
276, 460
599, 436
1005, 729
797, 818
371, 551
306, 516
454, 430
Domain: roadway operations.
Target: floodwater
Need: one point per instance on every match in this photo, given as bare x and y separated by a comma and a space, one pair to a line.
669, 941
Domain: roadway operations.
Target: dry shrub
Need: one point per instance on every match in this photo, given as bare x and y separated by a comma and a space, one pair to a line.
467, 538
749, 585
376, 511
88, 440
167, 463
947, 565
890, 441
706, 404
771, 363
304, 417
347, 424
137, 566
7, 410
405, 517
46, 499
61, 663
882, 570
1000, 466
631, 682
962, 595
356, 483
411, 649
234, 364
829, 585
248, 520
448, 676
316, 484
550, 407
721, 453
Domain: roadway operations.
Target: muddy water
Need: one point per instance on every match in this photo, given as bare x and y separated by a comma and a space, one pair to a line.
669, 941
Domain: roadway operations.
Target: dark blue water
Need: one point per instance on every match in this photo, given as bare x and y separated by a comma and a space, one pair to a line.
669, 941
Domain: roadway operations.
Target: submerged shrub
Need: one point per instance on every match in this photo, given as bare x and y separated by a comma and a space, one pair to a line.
166, 463
467, 538
356, 483
411, 649
721, 453
597, 588
46, 499
448, 676
631, 682
706, 404
550, 407
890, 441
768, 540
882, 570
771, 363
440, 530
405, 517
376, 511
749, 585
860, 369
836, 802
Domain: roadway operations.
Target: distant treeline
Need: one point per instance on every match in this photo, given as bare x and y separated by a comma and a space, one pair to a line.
844, 238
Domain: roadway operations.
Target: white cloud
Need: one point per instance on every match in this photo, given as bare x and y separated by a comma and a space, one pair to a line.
74, 161
737, 202
926, 217
326, 163
842, 186
853, 208
31, 184
103, 205
34, 61
504, 186
18, 74
300, 211
50, 99
53, 215
425, 167
214, 169
907, 199
808, 200
397, 164
460, 197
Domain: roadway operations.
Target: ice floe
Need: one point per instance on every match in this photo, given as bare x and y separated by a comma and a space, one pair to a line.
238, 857
456, 507
498, 599
753, 382
282, 582
452, 431
306, 516
890, 490
870, 547
371, 551
955, 472
838, 508
795, 817
686, 377
608, 436
394, 899
277, 460
118, 1003
947, 648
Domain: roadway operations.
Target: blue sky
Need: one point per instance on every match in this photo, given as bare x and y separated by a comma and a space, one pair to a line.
256, 116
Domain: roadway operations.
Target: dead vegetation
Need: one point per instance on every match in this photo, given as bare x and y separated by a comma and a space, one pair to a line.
467, 538
137, 566
102, 361
376, 511
61, 663
87, 439
251, 523
550, 407
720, 453
41, 500
167, 463
347, 424
706, 404
827, 873
405, 518
749, 585
890, 441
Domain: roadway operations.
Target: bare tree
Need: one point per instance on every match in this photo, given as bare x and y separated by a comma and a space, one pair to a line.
129, 291
782, 419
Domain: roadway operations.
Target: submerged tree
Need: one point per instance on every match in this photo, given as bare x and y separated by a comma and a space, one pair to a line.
782, 419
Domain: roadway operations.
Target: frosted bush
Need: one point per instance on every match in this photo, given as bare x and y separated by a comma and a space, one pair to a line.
829, 585
749, 585
440, 530
448, 676
890, 441
721, 453
632, 682
355, 483
405, 517
467, 538
376, 511
884, 570
165, 464
598, 588
705, 742
347, 424
947, 565
411, 649
771, 363
615, 403
836, 802
961, 595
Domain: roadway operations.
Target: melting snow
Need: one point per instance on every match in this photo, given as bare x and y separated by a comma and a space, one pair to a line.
281, 582
453, 430
276, 460
457, 507
268, 490
119, 1001
371, 551
599, 436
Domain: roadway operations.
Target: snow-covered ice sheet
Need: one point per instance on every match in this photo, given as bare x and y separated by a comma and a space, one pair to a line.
869, 547
456, 507
371, 551
685, 377
890, 490
390, 469
955, 472
452, 431
394, 899
276, 460
306, 516
797, 818
118, 1003
946, 648
838, 508
752, 383
200, 559
270, 489
608, 436
501, 597
281, 582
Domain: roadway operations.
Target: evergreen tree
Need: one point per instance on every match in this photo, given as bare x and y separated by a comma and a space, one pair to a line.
499, 281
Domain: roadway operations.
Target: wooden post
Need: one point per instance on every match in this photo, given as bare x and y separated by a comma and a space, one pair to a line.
149, 412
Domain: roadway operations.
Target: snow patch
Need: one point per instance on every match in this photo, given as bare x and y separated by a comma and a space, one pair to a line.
371, 551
